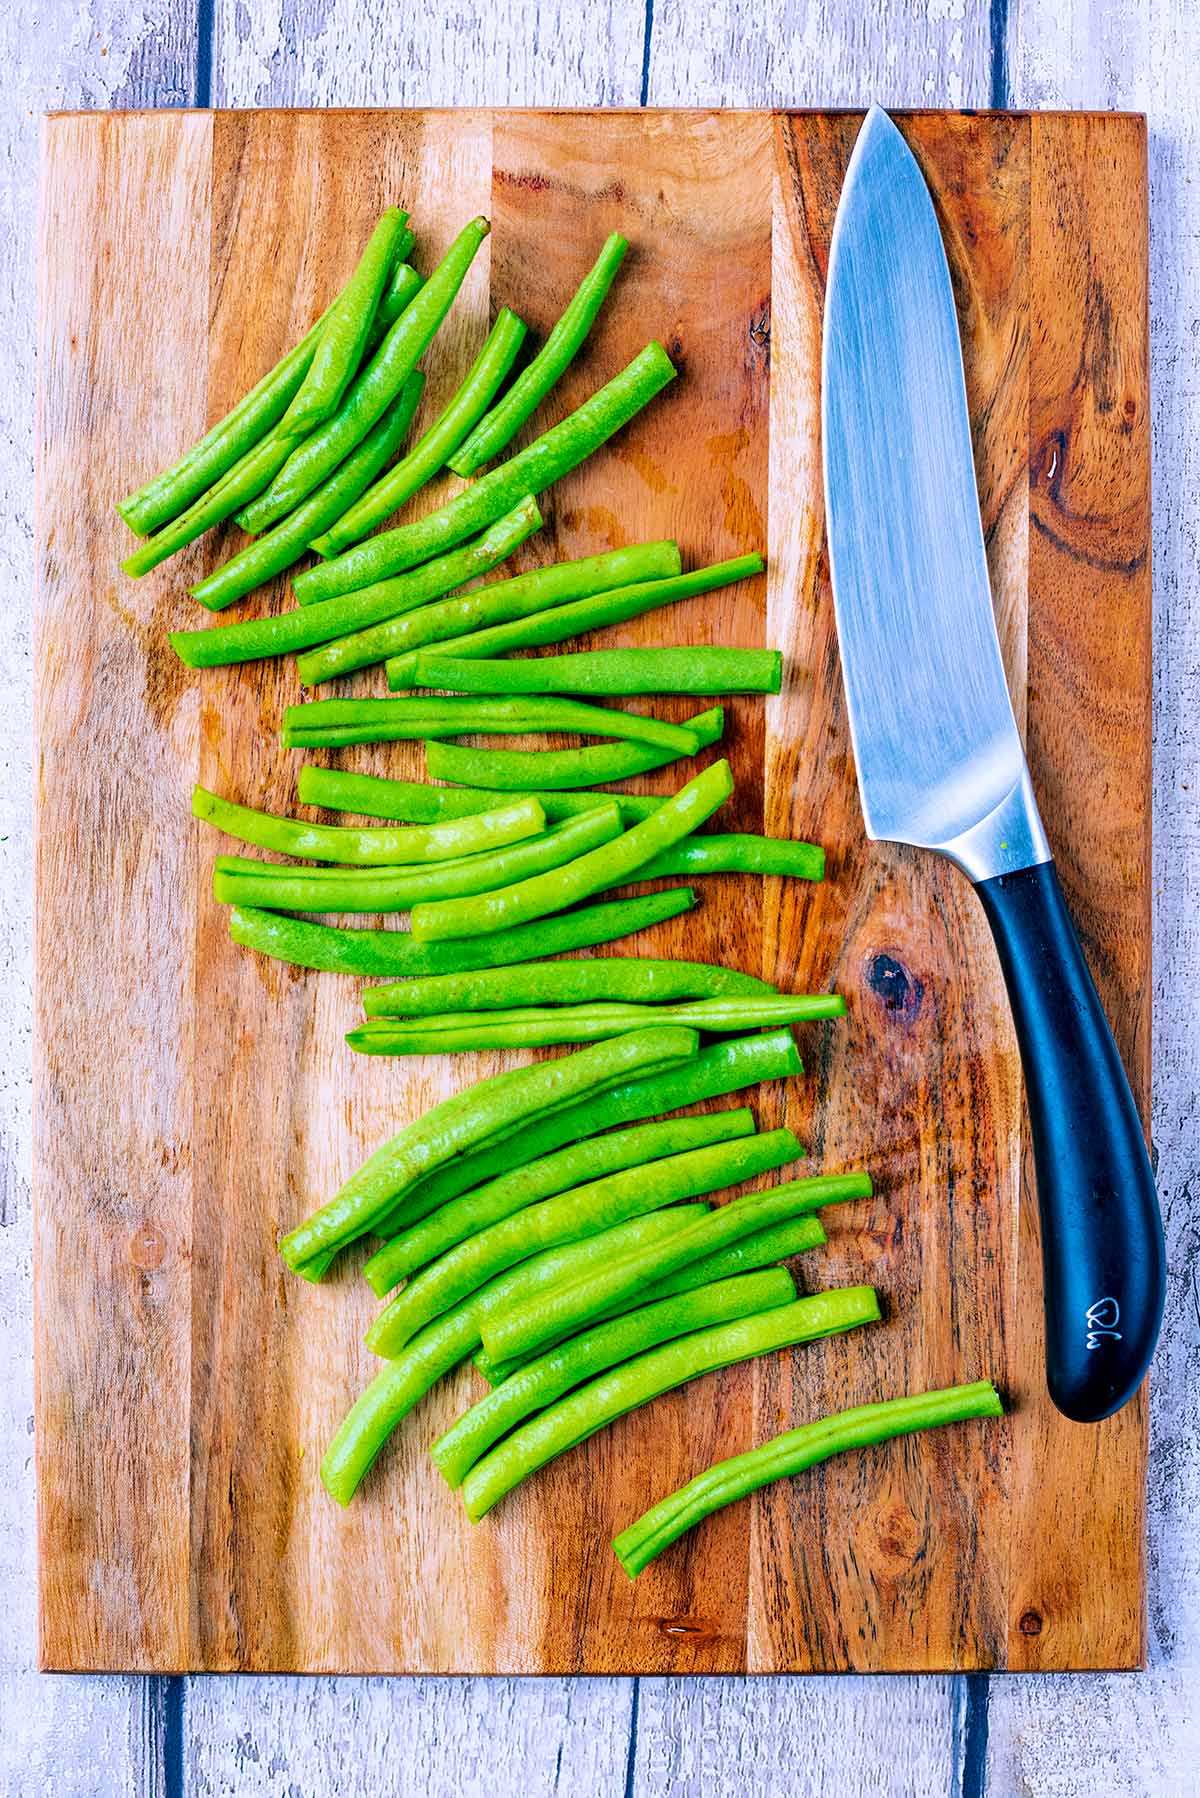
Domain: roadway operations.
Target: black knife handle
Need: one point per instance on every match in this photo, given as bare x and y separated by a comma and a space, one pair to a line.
1103, 1258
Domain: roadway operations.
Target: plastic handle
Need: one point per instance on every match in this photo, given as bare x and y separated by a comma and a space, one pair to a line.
1103, 1259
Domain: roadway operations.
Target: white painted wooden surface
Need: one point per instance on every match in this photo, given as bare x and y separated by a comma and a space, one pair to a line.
1126, 1735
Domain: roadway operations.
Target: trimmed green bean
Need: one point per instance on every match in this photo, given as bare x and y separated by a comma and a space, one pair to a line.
606, 866
519, 1332
416, 802
447, 1341
633, 979
342, 951
253, 638
484, 1113
422, 462
390, 889
248, 476
605, 1345
341, 721
537, 1027
574, 1166
371, 392
533, 384
371, 846
791, 1453
507, 770
175, 488
589, 613
610, 672
582, 1211
718, 1070
579, 1415
555, 454
270, 555
739, 853
344, 334
543, 588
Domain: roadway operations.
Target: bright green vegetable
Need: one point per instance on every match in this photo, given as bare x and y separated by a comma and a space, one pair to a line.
371, 392
576, 1165
607, 866
340, 951
605, 1345
416, 802
574, 1418
389, 889
609, 671
555, 626
521, 1331
543, 587
484, 1113
789, 1454
718, 1070
534, 383
344, 335
371, 846
334, 722
425, 458
506, 770
270, 555
248, 476
739, 854
555, 454
536, 1027
253, 638
403, 1382
635, 979
564, 1218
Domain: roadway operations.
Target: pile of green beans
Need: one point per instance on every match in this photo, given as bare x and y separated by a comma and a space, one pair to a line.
516, 770
791, 1453
552, 587
536, 1026
609, 672
373, 845
633, 979
334, 722
610, 1395
306, 944
416, 802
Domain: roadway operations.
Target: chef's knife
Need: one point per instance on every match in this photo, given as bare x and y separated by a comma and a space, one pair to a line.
939, 758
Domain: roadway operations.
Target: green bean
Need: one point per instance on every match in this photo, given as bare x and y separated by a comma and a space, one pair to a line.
718, 1070
537, 1027
586, 614
629, 978
791, 1453
344, 335
253, 638
426, 457
416, 802
555, 454
447, 1341
521, 1332
371, 392
371, 847
507, 770
341, 951
607, 866
335, 722
531, 387
739, 853
574, 1166
543, 1381
270, 555
390, 889
533, 592
486, 1112
248, 476
579, 1415
566, 1217
610, 671
170, 492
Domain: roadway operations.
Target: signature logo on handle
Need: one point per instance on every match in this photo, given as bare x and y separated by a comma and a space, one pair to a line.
1102, 1319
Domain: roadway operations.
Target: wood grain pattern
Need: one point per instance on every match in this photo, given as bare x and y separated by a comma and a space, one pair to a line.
900, 1560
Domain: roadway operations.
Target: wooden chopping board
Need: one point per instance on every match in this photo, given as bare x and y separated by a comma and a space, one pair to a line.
193, 1100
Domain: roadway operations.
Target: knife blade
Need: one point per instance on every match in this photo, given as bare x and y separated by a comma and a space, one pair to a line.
939, 758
